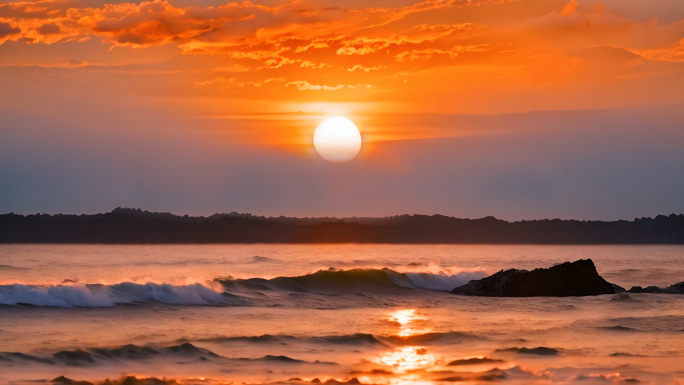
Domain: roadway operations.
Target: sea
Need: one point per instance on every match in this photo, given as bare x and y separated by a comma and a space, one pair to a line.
330, 314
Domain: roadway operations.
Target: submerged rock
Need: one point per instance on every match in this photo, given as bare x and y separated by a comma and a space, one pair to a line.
540, 351
474, 361
61, 380
568, 279
677, 288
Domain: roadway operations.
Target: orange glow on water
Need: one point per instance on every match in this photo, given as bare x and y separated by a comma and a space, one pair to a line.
408, 358
407, 318
403, 317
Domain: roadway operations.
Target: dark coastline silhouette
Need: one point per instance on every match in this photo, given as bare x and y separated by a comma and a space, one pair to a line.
135, 226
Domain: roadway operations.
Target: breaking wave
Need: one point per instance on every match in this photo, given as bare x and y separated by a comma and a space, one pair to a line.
340, 282
111, 295
355, 281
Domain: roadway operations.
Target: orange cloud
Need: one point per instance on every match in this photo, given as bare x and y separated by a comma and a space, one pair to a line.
303, 85
7, 31
416, 35
310, 64
365, 69
428, 54
569, 9
305, 50
675, 53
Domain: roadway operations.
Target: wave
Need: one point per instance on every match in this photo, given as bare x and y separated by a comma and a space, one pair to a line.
111, 295
184, 351
235, 291
618, 328
128, 352
431, 338
10, 267
260, 259
356, 339
355, 281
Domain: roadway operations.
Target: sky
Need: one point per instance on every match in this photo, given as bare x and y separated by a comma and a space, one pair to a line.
518, 109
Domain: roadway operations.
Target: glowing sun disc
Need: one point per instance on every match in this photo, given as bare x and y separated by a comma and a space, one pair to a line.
337, 139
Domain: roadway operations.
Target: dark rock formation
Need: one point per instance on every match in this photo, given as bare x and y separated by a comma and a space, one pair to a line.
474, 361
61, 380
677, 288
540, 351
568, 279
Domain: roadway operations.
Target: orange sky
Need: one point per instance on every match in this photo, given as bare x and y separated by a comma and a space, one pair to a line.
260, 75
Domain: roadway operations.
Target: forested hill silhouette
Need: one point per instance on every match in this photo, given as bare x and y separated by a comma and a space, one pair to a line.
138, 226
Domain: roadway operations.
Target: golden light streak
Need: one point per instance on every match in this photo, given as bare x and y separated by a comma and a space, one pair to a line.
408, 358
403, 316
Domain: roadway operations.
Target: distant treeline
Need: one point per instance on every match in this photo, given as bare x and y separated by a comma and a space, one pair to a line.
138, 226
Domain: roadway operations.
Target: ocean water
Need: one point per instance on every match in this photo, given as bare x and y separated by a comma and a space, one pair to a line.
301, 314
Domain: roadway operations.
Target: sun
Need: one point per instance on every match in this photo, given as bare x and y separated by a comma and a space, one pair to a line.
337, 139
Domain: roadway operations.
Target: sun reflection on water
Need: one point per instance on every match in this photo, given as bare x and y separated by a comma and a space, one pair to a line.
407, 358
406, 318
403, 316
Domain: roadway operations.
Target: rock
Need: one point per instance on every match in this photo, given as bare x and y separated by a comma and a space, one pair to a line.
474, 361
677, 288
649, 289
540, 351
61, 380
568, 279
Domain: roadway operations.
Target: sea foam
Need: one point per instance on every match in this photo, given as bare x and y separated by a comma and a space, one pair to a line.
111, 295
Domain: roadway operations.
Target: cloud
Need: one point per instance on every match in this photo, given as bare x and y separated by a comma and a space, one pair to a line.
359, 67
303, 85
416, 35
428, 54
310, 64
521, 44
150, 22
48, 29
569, 9
277, 62
675, 53
314, 44
6, 30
